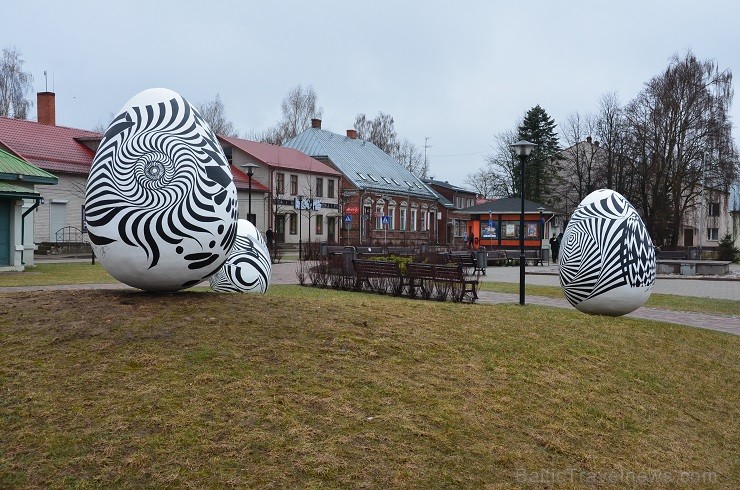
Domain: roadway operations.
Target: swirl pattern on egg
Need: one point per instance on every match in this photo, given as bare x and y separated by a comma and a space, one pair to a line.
607, 259
160, 203
248, 267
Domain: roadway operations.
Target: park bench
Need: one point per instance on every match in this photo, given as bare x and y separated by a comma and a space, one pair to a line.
496, 257
535, 257
511, 256
441, 279
370, 251
670, 255
378, 275
466, 259
401, 251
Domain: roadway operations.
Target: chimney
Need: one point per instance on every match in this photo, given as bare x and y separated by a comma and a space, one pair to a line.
316, 123
351, 133
46, 108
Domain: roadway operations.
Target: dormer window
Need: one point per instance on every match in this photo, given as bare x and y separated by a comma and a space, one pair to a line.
372, 177
361, 176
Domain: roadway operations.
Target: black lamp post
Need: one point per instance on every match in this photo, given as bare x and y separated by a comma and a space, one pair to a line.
522, 149
250, 172
300, 227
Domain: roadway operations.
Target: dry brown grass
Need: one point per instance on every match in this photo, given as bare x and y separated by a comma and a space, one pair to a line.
310, 388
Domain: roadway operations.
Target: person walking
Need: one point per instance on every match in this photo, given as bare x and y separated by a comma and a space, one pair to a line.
269, 237
554, 247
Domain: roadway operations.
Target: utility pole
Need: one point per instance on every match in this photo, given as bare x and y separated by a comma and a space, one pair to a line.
426, 164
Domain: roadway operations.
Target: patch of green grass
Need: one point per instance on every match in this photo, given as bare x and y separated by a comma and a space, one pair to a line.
660, 301
304, 387
53, 274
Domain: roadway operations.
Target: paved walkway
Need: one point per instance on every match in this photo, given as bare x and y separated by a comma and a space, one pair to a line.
702, 287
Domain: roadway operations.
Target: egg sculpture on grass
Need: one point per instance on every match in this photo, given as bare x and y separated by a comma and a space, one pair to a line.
607, 259
160, 202
248, 268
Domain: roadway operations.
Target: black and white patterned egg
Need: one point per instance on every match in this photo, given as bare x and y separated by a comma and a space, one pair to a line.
248, 268
607, 260
160, 203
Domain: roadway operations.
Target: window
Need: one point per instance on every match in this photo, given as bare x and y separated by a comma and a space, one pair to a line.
396, 182
372, 177
424, 221
713, 209
319, 224
402, 219
386, 180
293, 225
319, 187
293, 185
713, 234
392, 217
361, 176
280, 183
330, 190
378, 216
413, 220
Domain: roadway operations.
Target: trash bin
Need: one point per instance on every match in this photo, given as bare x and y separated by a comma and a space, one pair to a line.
693, 253
481, 260
324, 249
348, 254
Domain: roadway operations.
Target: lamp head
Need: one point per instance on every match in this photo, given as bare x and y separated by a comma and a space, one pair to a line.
522, 148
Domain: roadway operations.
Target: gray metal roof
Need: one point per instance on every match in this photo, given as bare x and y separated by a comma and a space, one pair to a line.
361, 162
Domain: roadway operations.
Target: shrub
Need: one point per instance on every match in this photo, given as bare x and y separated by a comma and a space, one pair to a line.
727, 250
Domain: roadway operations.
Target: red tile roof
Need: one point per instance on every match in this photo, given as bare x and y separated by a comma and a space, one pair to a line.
61, 149
51, 148
280, 157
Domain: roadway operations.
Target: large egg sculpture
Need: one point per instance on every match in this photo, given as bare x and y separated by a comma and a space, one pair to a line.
607, 259
160, 203
248, 267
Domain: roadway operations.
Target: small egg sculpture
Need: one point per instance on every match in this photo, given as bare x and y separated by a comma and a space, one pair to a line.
248, 268
607, 260
160, 203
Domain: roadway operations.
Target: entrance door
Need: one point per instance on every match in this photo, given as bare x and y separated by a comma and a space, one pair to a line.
280, 228
331, 229
688, 237
4, 232
57, 219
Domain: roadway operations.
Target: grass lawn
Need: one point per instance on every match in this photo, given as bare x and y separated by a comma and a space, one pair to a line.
304, 387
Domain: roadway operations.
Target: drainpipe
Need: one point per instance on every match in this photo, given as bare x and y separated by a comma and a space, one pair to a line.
23, 228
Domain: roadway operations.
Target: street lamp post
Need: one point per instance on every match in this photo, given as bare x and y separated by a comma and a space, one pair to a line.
300, 227
250, 172
522, 149
542, 223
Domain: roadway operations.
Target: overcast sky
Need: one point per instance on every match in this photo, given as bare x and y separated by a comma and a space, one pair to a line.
456, 72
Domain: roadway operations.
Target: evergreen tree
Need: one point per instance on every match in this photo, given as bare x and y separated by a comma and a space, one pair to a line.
541, 169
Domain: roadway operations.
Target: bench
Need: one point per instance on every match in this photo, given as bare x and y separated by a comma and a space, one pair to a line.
670, 255
383, 273
535, 257
496, 257
375, 251
440, 278
467, 260
401, 251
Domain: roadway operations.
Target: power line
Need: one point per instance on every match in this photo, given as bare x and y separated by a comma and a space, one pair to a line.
463, 154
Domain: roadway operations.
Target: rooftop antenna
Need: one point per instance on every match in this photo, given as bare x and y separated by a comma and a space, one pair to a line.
46, 81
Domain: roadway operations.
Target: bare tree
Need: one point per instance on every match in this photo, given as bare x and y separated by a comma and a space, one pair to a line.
298, 108
15, 84
502, 165
379, 131
214, 113
679, 131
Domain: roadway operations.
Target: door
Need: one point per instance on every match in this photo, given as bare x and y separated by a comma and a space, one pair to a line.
331, 229
57, 219
280, 228
4, 232
688, 237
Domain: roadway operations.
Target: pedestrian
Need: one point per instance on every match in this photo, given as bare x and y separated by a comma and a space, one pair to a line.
471, 238
269, 236
554, 247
